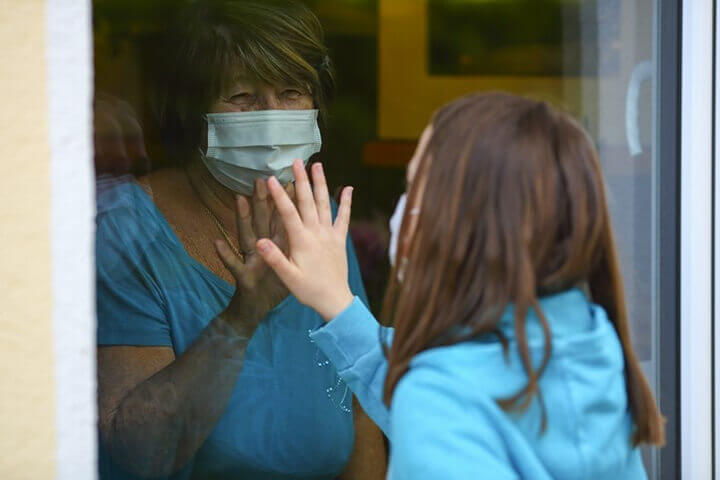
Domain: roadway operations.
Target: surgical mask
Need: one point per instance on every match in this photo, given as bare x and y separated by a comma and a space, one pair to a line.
245, 146
395, 224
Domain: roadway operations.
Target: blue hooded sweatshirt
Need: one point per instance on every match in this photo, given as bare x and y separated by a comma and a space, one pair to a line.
444, 421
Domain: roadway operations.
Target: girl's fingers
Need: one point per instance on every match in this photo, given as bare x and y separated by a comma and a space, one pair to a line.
283, 268
243, 219
322, 197
286, 208
261, 210
229, 259
306, 203
343, 217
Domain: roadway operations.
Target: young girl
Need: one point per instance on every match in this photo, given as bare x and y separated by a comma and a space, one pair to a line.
510, 355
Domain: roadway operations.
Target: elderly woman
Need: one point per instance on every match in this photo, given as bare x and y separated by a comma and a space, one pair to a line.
205, 365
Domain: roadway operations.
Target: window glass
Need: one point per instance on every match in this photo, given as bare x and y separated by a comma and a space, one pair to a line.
200, 380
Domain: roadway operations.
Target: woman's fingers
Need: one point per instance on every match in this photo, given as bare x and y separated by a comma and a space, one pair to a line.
306, 203
290, 189
285, 207
322, 197
229, 259
277, 232
243, 219
261, 210
276, 259
343, 217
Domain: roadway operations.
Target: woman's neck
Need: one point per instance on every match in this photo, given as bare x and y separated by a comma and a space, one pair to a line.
213, 195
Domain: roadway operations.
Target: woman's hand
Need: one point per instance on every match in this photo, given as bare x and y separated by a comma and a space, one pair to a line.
257, 288
316, 270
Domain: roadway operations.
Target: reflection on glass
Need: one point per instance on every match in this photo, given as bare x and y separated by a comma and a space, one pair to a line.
519, 37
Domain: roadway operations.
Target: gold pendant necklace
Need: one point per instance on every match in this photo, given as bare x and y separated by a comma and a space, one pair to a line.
224, 232
215, 219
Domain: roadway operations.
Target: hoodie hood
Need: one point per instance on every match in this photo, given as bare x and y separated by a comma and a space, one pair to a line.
588, 429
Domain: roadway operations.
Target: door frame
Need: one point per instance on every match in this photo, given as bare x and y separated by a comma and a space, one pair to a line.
696, 274
686, 287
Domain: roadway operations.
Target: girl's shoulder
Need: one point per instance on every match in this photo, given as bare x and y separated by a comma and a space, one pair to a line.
453, 391
583, 341
440, 426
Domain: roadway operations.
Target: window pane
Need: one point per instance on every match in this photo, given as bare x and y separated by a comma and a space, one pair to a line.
200, 379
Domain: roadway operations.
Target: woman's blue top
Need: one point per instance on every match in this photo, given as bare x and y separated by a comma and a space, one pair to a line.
444, 422
290, 414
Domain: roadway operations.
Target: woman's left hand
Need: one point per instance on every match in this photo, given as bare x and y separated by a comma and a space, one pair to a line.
316, 269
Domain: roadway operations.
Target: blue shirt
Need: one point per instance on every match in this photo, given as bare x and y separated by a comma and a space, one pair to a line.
444, 422
290, 414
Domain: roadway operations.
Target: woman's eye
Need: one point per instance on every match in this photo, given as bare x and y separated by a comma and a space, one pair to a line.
292, 94
241, 98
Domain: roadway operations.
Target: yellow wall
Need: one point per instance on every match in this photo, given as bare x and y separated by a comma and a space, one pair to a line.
408, 95
27, 391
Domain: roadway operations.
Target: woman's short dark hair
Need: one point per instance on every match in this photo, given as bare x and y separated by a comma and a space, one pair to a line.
274, 41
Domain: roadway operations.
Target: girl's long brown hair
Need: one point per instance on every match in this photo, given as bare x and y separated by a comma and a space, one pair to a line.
521, 198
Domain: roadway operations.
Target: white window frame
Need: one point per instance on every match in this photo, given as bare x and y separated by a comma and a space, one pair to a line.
70, 91
696, 239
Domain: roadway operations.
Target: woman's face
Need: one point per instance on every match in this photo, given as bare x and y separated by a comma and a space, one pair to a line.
243, 94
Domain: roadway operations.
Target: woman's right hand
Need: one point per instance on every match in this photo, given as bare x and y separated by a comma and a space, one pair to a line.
257, 288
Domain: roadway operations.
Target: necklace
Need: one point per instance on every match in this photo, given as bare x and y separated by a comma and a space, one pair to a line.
224, 232
215, 219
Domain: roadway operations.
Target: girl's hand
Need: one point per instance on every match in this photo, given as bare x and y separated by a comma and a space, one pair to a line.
316, 269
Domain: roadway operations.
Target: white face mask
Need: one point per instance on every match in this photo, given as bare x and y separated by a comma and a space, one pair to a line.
395, 224
245, 146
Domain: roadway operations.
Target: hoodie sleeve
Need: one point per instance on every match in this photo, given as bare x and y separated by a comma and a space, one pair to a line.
352, 342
